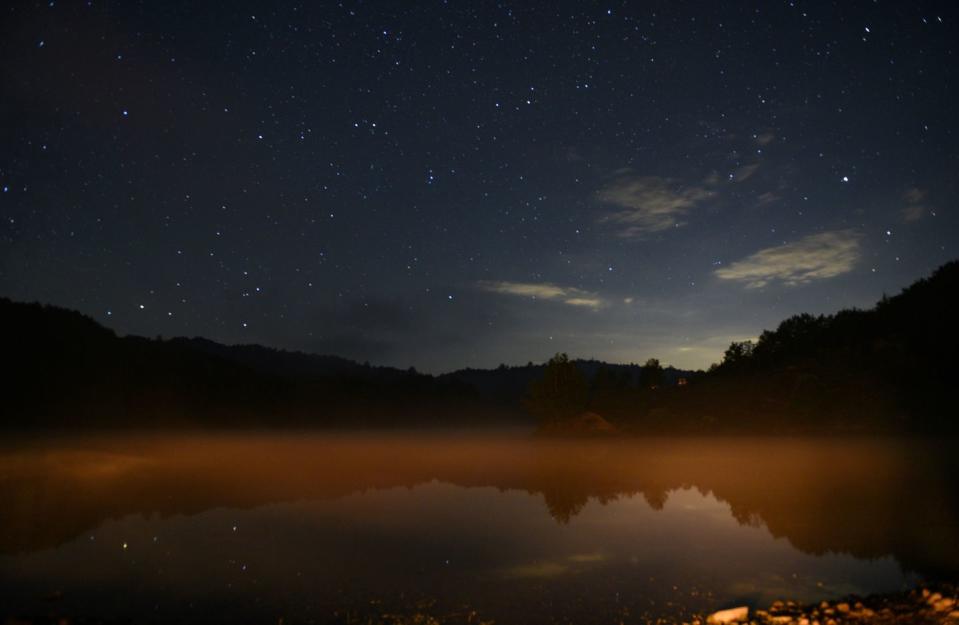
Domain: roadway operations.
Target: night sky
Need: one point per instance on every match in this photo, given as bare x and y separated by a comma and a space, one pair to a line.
451, 184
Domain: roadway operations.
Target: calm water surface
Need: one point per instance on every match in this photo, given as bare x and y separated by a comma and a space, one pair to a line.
336, 527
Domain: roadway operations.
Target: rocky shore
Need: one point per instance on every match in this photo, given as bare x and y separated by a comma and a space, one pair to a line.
926, 606
934, 605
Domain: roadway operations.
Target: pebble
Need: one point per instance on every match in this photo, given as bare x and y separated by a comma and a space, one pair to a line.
731, 615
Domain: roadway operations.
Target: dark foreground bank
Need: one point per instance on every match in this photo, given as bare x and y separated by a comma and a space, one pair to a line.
931, 605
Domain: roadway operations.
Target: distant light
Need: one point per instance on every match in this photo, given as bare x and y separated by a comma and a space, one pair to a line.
845, 178
126, 113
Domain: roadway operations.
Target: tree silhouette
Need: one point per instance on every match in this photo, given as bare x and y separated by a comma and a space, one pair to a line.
561, 393
651, 375
737, 353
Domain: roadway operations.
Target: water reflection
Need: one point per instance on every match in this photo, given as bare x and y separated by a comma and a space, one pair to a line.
304, 524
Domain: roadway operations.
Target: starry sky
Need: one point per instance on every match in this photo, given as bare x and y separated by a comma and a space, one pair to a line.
451, 184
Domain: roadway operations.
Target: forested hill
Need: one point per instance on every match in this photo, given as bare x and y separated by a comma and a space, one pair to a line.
66, 370
889, 367
508, 385
69, 371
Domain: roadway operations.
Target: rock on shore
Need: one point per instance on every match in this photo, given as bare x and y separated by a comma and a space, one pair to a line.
927, 606
732, 615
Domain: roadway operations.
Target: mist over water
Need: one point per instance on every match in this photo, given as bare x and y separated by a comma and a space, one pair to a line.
320, 527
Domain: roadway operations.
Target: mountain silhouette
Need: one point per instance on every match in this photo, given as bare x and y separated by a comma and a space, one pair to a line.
889, 368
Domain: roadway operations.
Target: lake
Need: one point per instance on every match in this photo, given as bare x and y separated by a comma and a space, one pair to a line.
467, 526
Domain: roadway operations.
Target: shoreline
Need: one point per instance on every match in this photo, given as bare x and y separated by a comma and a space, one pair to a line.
929, 604
926, 605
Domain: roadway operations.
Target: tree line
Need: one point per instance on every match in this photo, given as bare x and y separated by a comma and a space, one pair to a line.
887, 368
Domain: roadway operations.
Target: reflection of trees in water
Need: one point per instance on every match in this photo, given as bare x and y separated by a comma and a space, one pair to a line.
655, 498
565, 475
564, 504
570, 473
866, 498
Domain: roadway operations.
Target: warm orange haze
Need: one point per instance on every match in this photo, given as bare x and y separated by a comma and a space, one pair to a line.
317, 527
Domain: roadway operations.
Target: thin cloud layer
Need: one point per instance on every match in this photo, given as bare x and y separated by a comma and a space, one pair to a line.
545, 290
745, 172
915, 208
815, 257
765, 138
648, 204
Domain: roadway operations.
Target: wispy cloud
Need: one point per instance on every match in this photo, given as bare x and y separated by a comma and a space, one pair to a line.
648, 203
767, 198
913, 212
745, 172
587, 302
914, 195
765, 138
545, 290
815, 257
915, 208
542, 290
